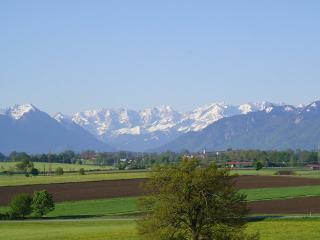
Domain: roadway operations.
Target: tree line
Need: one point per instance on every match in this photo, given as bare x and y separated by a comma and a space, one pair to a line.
288, 158
135, 160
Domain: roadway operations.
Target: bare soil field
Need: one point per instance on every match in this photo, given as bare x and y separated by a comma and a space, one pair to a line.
78, 191
302, 205
254, 181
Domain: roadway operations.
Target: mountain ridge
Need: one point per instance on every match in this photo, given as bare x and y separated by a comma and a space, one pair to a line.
274, 128
28, 129
156, 128
132, 130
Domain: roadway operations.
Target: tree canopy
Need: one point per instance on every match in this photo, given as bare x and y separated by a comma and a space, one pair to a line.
189, 201
42, 203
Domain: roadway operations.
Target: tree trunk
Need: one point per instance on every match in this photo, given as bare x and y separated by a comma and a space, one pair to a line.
195, 235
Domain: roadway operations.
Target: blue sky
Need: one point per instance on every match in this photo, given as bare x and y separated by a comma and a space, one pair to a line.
76, 55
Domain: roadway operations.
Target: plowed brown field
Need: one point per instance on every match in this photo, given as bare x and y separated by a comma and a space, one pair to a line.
302, 205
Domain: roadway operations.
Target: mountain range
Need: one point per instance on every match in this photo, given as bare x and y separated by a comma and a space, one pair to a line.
26, 128
274, 128
153, 127
215, 126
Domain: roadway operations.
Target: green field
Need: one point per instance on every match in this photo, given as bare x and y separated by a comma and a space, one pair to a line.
280, 193
96, 208
293, 229
299, 172
14, 180
69, 230
264, 172
67, 167
93, 208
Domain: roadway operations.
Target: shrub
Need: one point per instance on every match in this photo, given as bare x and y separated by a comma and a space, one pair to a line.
121, 166
59, 171
258, 166
9, 171
4, 216
20, 206
34, 172
42, 203
81, 171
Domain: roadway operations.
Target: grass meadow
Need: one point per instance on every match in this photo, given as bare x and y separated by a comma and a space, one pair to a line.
20, 179
67, 167
120, 229
69, 230
15, 180
96, 208
299, 172
281, 192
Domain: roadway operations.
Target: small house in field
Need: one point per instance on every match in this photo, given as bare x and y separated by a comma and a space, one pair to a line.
236, 164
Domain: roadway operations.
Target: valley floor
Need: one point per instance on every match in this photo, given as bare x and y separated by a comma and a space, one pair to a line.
115, 218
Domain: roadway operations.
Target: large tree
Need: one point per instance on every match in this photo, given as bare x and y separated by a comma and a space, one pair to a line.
189, 201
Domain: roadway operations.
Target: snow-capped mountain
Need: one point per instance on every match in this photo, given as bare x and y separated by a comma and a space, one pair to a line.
26, 128
202, 117
18, 111
123, 121
153, 127
273, 128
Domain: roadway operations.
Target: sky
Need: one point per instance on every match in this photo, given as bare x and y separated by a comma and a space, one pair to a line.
76, 55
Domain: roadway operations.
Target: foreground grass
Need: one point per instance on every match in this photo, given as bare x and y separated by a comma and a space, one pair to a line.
69, 230
16, 180
293, 229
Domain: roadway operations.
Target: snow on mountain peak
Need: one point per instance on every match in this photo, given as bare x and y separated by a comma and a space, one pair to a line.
269, 109
289, 108
112, 122
246, 108
18, 111
315, 104
60, 117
